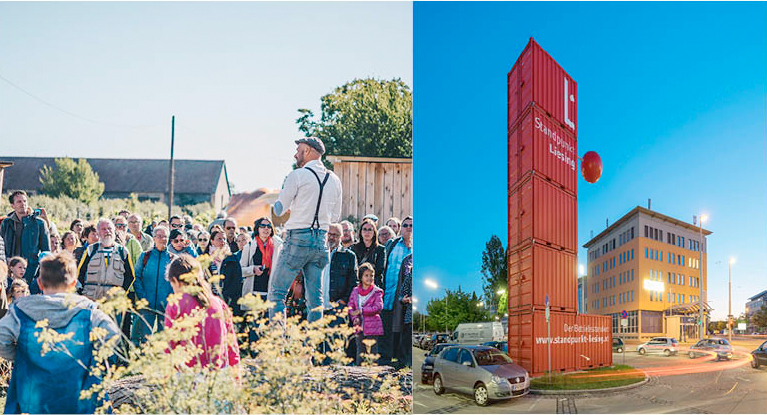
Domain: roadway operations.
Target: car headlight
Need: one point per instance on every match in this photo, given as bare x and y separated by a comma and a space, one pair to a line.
498, 380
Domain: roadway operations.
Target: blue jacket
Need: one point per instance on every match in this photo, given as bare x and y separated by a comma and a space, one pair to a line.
34, 239
150, 279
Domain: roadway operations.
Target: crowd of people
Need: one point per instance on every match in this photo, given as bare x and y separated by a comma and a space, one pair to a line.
311, 265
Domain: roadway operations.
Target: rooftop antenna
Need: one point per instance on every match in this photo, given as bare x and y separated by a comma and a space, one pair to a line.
592, 234
648, 203
606, 223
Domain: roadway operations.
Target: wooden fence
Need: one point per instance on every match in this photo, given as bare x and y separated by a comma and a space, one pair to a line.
381, 186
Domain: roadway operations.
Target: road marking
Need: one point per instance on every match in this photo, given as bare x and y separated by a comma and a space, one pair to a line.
743, 379
717, 376
733, 388
533, 405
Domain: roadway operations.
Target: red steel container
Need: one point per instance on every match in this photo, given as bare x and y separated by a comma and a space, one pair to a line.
540, 212
577, 341
536, 77
538, 143
536, 271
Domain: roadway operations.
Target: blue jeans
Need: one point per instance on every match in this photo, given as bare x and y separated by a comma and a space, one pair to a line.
304, 250
140, 329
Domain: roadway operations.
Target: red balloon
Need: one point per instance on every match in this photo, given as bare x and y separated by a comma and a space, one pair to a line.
591, 167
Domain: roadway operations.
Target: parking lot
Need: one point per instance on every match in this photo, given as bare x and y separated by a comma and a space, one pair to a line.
677, 385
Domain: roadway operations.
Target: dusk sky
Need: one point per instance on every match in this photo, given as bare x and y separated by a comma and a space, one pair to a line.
671, 95
233, 73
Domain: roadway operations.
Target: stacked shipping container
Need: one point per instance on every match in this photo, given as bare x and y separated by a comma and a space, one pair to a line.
543, 222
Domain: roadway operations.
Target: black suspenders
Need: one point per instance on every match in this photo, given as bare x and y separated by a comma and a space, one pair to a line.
316, 222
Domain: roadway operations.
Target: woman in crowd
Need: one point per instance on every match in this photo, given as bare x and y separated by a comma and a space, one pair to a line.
69, 242
17, 266
77, 227
218, 250
178, 244
384, 234
365, 305
215, 337
257, 258
369, 251
203, 243
91, 236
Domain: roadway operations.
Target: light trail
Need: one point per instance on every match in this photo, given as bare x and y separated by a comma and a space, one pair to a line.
690, 367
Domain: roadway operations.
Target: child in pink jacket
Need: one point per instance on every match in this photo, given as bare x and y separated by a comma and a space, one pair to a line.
365, 305
216, 336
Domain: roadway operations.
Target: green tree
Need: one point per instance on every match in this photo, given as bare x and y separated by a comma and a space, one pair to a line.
364, 117
457, 307
494, 271
74, 179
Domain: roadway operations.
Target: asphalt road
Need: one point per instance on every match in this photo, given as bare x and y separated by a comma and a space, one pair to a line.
716, 387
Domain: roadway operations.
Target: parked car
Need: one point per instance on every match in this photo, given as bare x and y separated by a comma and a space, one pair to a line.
435, 340
502, 346
417, 340
484, 371
618, 345
759, 356
704, 347
427, 367
666, 345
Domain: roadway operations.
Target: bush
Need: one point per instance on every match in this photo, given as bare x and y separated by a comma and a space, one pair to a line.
279, 379
63, 210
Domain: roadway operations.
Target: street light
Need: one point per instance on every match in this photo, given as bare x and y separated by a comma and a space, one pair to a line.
729, 300
433, 285
700, 273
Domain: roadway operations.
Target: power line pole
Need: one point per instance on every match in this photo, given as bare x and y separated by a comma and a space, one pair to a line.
170, 185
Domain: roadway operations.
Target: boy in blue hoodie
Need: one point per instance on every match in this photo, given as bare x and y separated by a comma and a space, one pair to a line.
52, 383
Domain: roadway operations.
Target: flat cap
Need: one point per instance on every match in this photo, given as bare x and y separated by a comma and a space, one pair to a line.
314, 143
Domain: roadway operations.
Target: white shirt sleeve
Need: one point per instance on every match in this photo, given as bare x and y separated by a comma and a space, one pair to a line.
287, 194
335, 210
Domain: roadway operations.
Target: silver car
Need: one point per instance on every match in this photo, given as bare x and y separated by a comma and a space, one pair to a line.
483, 371
720, 347
666, 345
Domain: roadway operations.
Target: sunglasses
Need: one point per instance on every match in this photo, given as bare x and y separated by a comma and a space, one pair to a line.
120, 225
176, 225
367, 229
202, 239
404, 225
264, 225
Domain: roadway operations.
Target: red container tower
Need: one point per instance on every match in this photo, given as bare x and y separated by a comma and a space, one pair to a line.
543, 222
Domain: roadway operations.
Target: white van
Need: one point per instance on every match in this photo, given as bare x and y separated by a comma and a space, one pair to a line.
478, 333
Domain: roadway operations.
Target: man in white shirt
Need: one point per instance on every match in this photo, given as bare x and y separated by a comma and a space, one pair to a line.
312, 194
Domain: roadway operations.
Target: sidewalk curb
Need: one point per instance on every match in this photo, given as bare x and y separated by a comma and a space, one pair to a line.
577, 392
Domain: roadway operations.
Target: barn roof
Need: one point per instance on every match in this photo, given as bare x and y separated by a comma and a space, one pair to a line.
126, 175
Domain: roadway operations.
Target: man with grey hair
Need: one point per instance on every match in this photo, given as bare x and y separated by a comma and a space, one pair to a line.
312, 194
135, 222
104, 264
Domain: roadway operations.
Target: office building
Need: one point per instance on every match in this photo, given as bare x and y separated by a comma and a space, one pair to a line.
648, 264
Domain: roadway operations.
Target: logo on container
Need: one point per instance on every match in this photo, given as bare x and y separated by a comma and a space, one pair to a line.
568, 99
558, 146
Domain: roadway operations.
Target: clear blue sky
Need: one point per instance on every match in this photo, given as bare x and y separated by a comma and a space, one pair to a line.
671, 95
233, 74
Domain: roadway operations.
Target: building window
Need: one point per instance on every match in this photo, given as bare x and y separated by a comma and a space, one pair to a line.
632, 232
